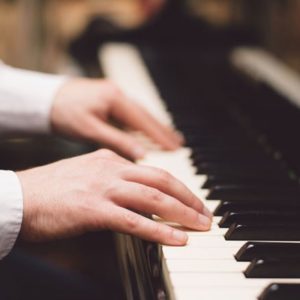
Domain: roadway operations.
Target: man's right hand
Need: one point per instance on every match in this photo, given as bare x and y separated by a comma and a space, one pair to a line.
101, 190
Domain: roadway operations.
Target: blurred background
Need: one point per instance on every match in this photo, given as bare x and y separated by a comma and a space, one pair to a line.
35, 34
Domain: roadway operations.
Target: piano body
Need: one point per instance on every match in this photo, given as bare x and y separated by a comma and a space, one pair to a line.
237, 104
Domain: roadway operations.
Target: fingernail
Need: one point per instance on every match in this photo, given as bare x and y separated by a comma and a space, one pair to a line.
207, 213
180, 236
139, 152
204, 221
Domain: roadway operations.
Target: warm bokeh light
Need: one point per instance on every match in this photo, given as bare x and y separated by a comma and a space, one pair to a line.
35, 34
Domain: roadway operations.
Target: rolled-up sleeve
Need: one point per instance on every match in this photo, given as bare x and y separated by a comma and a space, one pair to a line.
25, 100
11, 210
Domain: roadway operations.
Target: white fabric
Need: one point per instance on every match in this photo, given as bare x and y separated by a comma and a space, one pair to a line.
25, 103
25, 100
11, 210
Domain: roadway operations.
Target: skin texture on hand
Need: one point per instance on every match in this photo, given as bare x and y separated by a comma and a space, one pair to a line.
101, 190
83, 108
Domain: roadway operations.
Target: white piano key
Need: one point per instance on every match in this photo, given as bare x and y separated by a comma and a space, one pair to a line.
219, 280
115, 58
198, 253
246, 293
212, 205
205, 266
216, 220
213, 242
215, 231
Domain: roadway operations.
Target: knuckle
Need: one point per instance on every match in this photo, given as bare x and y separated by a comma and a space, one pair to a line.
164, 177
157, 231
160, 173
106, 154
131, 221
113, 88
170, 233
192, 216
113, 190
196, 203
154, 195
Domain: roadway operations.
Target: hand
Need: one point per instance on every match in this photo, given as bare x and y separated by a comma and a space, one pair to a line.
84, 107
101, 190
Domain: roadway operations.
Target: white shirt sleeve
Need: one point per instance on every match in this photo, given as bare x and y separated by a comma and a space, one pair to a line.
11, 210
25, 100
25, 103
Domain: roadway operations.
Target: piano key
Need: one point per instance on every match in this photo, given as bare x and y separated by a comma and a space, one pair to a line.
278, 232
220, 280
198, 253
245, 293
267, 217
256, 250
215, 230
212, 205
266, 268
280, 291
137, 84
213, 242
204, 266
281, 176
213, 181
228, 169
242, 193
220, 156
225, 206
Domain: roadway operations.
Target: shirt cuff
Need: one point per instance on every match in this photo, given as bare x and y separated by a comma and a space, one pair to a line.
26, 99
11, 210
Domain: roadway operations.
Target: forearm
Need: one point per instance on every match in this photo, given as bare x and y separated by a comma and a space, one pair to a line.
11, 208
25, 100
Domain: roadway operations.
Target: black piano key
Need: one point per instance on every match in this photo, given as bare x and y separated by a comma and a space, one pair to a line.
234, 171
206, 149
259, 217
252, 176
241, 206
266, 268
226, 150
213, 181
209, 140
281, 291
258, 232
197, 160
242, 193
264, 250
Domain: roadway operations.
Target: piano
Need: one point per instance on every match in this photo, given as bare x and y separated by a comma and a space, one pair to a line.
237, 105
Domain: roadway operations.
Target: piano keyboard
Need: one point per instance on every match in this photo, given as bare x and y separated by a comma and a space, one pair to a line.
239, 258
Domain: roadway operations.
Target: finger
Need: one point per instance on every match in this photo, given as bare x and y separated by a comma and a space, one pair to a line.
166, 183
152, 201
126, 221
116, 139
108, 154
135, 116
